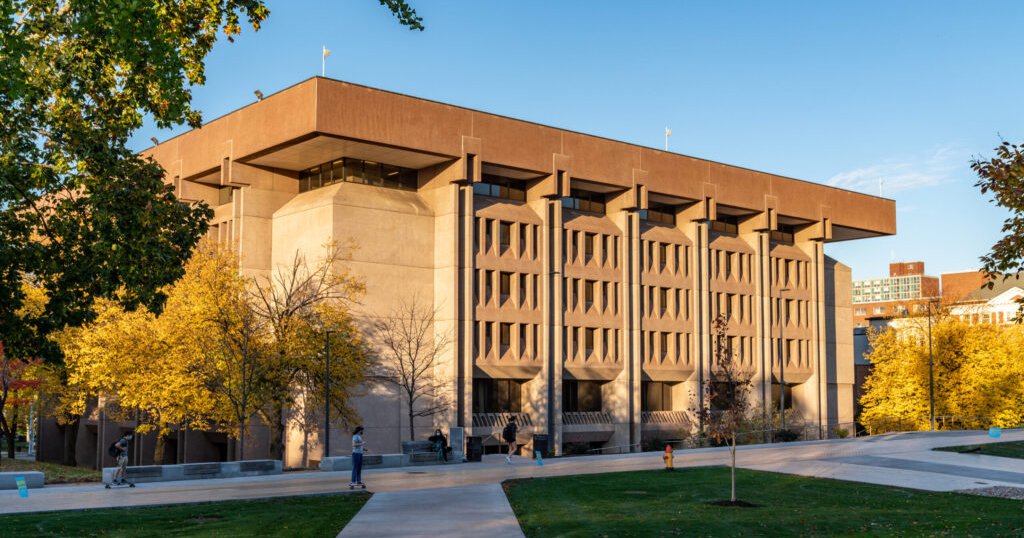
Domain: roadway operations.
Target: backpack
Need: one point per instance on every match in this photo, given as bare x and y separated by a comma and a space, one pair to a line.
113, 451
509, 433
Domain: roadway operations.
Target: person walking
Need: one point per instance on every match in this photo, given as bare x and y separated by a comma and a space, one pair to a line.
120, 451
509, 436
357, 457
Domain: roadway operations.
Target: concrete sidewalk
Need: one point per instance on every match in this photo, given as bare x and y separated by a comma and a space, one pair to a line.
826, 459
481, 510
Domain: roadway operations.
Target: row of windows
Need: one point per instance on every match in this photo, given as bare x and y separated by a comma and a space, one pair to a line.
664, 302
793, 273
520, 289
490, 337
666, 257
735, 266
741, 348
501, 237
591, 202
584, 247
899, 310
500, 187
736, 307
591, 343
794, 312
795, 351
357, 171
665, 347
583, 293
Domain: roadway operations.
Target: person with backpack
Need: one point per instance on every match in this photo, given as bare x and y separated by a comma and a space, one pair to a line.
119, 450
509, 436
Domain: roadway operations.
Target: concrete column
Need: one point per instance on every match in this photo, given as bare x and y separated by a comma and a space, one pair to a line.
553, 297
631, 300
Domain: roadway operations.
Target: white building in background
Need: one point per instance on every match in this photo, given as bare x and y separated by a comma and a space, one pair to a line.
997, 305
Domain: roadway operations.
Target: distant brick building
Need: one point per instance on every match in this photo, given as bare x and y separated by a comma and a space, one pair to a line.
904, 291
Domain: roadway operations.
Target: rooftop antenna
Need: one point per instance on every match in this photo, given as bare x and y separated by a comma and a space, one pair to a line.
258, 94
323, 61
880, 182
668, 133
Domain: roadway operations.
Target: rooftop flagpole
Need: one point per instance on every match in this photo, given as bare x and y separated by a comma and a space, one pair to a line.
323, 61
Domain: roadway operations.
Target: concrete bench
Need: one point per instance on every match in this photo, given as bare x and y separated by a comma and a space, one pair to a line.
194, 471
344, 463
9, 480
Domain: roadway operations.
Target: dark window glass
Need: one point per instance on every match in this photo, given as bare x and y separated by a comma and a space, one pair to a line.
581, 396
726, 224
358, 171
505, 285
655, 396
497, 396
590, 202
500, 187
504, 234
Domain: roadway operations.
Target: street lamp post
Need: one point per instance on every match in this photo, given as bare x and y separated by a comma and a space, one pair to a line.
784, 318
327, 394
931, 375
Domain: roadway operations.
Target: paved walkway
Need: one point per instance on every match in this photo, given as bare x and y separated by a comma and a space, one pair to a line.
416, 496
481, 510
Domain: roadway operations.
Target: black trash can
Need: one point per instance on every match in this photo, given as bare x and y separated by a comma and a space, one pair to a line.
540, 444
474, 448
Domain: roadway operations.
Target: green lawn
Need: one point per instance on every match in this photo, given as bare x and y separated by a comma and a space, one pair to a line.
660, 503
1009, 449
319, 516
55, 474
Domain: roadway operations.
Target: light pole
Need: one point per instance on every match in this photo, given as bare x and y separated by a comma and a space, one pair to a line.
784, 318
327, 394
931, 375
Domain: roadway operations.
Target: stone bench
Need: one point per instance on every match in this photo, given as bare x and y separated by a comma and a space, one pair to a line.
344, 463
33, 479
197, 471
420, 452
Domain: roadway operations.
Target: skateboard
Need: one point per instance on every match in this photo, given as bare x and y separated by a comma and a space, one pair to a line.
354, 486
112, 485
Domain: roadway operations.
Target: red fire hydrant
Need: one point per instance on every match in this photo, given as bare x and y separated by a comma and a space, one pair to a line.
668, 457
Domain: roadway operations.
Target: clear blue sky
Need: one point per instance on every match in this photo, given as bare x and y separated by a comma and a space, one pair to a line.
836, 93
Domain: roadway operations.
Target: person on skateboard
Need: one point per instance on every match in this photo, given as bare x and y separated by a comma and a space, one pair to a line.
121, 448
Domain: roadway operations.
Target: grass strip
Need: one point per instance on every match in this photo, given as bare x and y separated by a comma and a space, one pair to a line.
306, 516
680, 503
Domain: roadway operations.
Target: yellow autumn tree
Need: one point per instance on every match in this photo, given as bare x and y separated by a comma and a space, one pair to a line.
978, 373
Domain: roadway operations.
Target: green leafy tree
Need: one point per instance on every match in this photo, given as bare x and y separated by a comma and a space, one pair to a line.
1002, 177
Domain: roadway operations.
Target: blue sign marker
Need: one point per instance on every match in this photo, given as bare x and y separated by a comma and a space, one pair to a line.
995, 432
22, 486
540, 460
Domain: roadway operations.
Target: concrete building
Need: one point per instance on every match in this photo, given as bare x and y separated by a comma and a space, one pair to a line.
905, 291
578, 275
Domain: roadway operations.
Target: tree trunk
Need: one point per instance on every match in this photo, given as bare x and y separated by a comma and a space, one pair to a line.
412, 426
732, 455
13, 436
159, 448
241, 440
70, 458
277, 431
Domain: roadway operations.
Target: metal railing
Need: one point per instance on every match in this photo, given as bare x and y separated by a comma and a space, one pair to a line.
882, 425
664, 417
499, 420
582, 418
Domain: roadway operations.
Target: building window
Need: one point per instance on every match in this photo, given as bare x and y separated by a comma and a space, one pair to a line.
504, 286
879, 310
522, 339
522, 290
588, 341
861, 312
663, 345
662, 256
579, 200
726, 224
588, 247
581, 396
504, 337
500, 187
497, 396
357, 171
662, 214
588, 293
663, 300
488, 286
655, 396
504, 235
